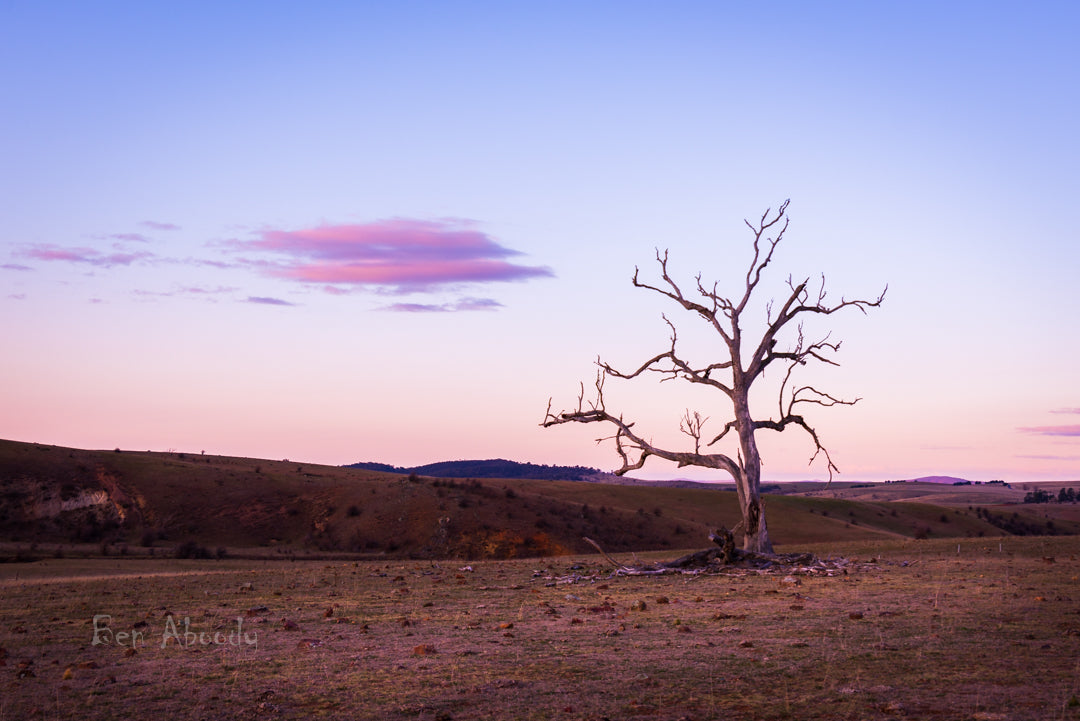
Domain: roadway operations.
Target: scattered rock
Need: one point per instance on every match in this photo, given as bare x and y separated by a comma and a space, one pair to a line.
287, 624
663, 599
638, 605
425, 649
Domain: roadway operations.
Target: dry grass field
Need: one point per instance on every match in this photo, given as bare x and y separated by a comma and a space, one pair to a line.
981, 628
139, 503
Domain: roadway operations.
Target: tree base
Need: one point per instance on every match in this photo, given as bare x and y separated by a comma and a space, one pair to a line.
727, 556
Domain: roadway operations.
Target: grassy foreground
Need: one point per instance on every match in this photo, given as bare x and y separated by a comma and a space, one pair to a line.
939, 629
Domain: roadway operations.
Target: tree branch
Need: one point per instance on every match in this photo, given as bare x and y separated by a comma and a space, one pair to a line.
753, 275
691, 426
676, 294
797, 304
678, 367
627, 442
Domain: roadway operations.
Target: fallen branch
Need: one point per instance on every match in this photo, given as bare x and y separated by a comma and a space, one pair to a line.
603, 553
715, 559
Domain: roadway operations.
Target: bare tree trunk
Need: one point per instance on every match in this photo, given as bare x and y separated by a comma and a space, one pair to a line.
756, 537
755, 532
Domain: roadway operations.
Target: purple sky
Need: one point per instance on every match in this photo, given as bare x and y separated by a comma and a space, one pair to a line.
379, 232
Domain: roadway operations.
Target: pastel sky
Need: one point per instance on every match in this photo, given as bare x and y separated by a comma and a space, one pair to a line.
335, 232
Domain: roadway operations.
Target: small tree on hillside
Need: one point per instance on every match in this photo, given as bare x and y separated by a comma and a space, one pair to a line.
742, 364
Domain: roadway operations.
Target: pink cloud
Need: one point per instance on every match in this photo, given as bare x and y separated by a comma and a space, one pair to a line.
131, 237
223, 265
89, 256
1053, 430
195, 290
477, 304
465, 304
416, 308
1052, 458
186, 291
154, 225
407, 254
268, 301
15, 266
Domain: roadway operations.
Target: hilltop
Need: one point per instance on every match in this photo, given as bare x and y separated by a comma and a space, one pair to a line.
492, 468
152, 502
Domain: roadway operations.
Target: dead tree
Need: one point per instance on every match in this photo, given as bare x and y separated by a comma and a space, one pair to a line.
733, 375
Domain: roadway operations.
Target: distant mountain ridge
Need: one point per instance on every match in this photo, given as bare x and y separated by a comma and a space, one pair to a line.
490, 468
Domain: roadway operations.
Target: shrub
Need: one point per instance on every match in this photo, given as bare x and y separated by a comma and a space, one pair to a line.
191, 549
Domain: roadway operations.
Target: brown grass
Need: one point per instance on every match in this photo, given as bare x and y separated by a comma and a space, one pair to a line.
158, 501
940, 629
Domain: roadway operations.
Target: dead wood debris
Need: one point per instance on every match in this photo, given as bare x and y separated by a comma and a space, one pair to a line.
726, 559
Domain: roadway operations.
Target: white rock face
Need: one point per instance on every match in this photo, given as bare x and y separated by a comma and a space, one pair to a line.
37, 501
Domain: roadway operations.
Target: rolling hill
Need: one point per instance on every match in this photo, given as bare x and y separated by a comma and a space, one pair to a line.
145, 502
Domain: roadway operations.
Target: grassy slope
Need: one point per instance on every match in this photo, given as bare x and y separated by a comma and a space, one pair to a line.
167, 498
